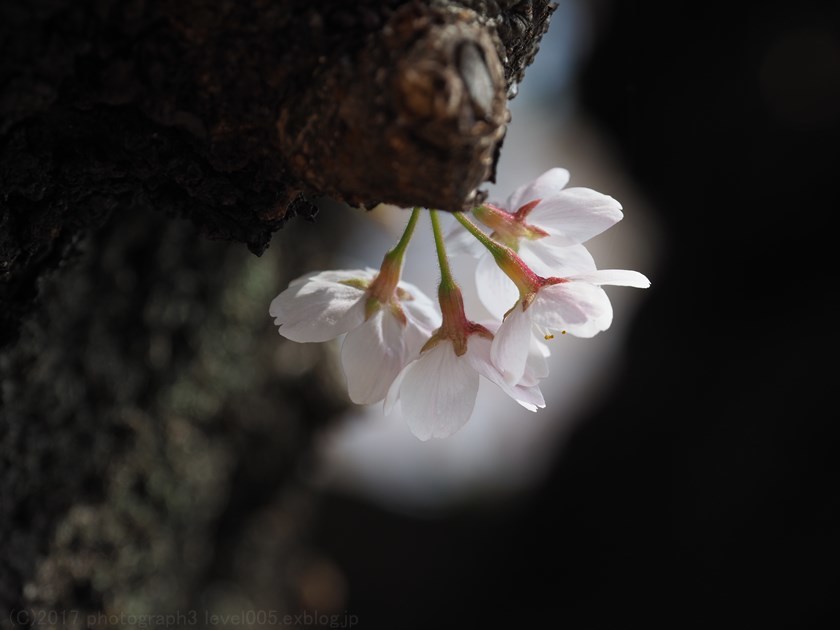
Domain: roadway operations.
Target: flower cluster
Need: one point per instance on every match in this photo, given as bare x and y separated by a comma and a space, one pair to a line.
534, 275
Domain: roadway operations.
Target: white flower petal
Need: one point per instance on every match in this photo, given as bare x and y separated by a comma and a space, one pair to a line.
336, 275
422, 319
437, 392
509, 350
547, 259
575, 215
536, 366
579, 308
372, 355
615, 277
319, 307
415, 338
529, 396
495, 290
478, 355
420, 309
547, 185
393, 395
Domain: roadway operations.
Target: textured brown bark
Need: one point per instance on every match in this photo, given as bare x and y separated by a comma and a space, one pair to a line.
148, 435
237, 115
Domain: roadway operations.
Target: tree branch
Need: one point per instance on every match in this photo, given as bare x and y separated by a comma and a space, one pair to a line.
237, 114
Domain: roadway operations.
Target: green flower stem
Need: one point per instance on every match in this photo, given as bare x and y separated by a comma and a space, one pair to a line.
381, 290
507, 260
454, 324
398, 252
498, 250
447, 283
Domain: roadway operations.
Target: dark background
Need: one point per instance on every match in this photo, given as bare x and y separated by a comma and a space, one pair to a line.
702, 491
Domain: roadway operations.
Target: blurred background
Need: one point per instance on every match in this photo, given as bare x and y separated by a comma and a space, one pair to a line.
683, 469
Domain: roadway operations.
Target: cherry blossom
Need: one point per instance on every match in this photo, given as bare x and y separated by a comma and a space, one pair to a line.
534, 274
437, 391
545, 223
575, 304
386, 320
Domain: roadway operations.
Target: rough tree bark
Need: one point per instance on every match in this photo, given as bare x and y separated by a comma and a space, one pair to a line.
147, 436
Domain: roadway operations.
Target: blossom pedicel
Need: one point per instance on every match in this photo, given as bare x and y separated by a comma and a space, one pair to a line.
534, 274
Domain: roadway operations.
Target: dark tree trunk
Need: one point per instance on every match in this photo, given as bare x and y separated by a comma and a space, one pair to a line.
148, 434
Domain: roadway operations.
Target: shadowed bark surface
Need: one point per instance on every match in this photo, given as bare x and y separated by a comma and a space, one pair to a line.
237, 115
149, 436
